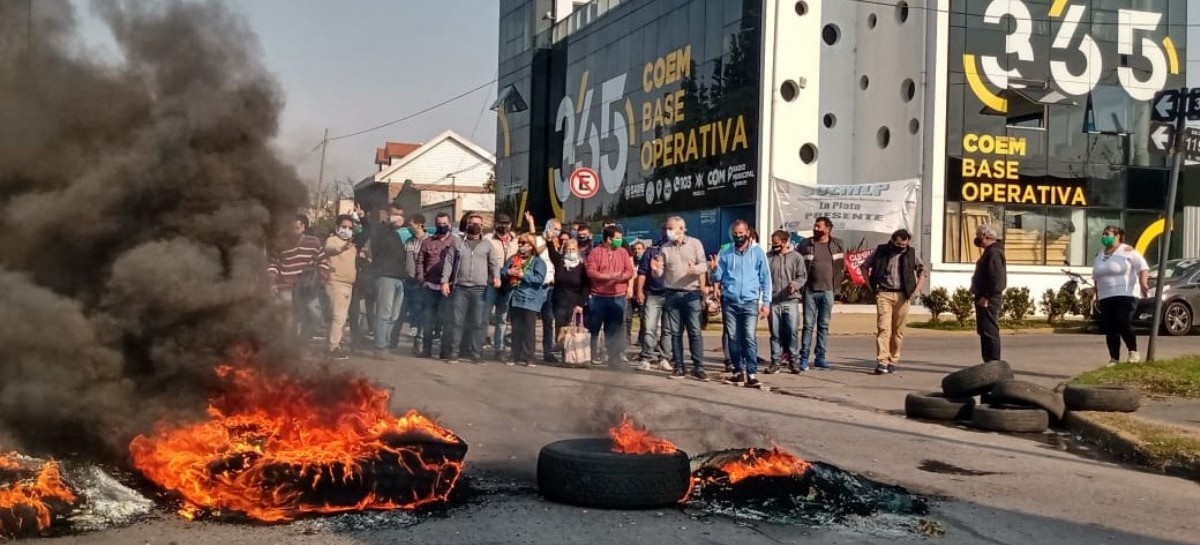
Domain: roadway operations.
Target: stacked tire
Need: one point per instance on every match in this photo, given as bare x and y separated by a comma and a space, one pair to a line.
1011, 406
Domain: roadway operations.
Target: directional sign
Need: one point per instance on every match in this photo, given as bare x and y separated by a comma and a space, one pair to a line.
1192, 107
1162, 138
585, 183
1191, 144
1165, 106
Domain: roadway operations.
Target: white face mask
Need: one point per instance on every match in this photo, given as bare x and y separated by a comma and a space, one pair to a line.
671, 234
344, 233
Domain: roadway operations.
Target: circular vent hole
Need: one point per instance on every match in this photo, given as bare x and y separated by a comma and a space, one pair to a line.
789, 90
801, 8
831, 34
914, 126
883, 137
872, 20
908, 90
808, 153
830, 120
864, 82
902, 11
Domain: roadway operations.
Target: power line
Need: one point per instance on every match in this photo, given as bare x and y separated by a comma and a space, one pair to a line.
886, 4
414, 114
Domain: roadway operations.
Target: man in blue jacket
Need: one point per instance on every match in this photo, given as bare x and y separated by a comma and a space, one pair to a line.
743, 282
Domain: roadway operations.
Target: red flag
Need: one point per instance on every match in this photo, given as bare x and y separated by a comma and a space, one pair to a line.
854, 262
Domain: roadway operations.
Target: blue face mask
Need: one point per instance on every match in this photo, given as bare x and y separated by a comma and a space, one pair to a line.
405, 234
443, 229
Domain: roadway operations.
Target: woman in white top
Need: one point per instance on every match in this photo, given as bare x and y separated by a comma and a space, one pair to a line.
1122, 276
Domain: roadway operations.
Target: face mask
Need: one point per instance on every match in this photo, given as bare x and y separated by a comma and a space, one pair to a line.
1108, 241
898, 248
524, 249
739, 239
396, 220
552, 233
405, 234
978, 242
443, 229
777, 248
616, 243
671, 234
345, 233
585, 239
474, 230
818, 234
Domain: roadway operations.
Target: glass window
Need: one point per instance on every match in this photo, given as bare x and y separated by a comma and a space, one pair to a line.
961, 222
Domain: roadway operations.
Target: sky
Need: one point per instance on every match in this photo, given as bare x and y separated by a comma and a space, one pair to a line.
348, 65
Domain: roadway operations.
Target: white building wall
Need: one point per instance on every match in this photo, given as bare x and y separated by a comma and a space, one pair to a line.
447, 159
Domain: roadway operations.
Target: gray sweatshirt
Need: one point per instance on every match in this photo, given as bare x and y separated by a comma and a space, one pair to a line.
473, 262
787, 269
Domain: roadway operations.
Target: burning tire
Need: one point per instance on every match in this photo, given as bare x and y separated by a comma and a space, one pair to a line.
1102, 398
1019, 392
587, 473
936, 406
1011, 419
976, 380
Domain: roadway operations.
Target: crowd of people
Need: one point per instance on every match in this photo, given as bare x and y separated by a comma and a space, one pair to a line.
460, 289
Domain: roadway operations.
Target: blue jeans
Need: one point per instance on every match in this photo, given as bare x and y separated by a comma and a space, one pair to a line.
548, 324
438, 310
785, 316
498, 300
414, 310
818, 305
656, 340
306, 312
741, 324
389, 301
608, 315
683, 313
465, 335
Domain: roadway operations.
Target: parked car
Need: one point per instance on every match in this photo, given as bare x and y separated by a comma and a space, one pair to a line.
1181, 298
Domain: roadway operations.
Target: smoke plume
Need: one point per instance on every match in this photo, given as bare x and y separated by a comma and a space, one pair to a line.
137, 196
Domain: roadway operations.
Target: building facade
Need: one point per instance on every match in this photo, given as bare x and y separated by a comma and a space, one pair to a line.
448, 174
1031, 115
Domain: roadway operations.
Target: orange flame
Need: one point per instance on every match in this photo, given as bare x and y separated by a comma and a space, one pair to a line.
260, 424
764, 463
31, 495
631, 438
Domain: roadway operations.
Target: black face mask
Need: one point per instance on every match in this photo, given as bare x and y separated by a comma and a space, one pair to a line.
474, 229
585, 239
739, 239
978, 242
777, 248
899, 249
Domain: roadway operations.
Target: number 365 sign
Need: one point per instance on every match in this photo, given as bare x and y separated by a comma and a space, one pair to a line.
1072, 46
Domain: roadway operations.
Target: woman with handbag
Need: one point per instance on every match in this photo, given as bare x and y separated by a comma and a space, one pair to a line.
570, 294
524, 273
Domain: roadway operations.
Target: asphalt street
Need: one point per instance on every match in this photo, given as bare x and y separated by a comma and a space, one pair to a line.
1002, 489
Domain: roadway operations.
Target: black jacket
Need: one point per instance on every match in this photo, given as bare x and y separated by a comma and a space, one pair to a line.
837, 248
388, 255
879, 268
991, 273
571, 287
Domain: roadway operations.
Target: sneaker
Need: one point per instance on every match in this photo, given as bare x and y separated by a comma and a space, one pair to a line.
821, 365
737, 379
510, 363
700, 375
728, 366
451, 360
550, 359
891, 368
881, 368
530, 364
1134, 357
753, 382
772, 369
793, 369
678, 373
1112, 363
337, 354
665, 365
645, 366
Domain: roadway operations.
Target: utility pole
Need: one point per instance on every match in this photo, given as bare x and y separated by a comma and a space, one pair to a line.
1164, 249
321, 173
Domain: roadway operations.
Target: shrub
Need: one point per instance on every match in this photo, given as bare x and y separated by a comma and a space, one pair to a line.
1018, 304
938, 302
1056, 305
1087, 298
962, 305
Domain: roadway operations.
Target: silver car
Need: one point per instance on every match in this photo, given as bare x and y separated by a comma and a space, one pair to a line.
1181, 298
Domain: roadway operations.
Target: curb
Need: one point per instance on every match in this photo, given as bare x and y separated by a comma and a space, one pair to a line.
1126, 446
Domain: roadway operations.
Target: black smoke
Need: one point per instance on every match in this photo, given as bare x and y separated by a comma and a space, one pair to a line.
138, 196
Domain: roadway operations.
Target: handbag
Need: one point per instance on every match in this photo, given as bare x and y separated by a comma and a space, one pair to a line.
576, 343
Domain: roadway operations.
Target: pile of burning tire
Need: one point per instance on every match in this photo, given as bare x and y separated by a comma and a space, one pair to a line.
1012, 406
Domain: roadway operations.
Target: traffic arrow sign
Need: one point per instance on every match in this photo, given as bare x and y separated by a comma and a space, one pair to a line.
1162, 138
1166, 105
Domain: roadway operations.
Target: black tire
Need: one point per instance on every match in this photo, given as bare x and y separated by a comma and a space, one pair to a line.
936, 406
976, 380
1177, 319
1011, 419
585, 472
1019, 392
1122, 399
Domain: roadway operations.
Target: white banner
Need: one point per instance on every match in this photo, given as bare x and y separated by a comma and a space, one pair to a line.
874, 208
